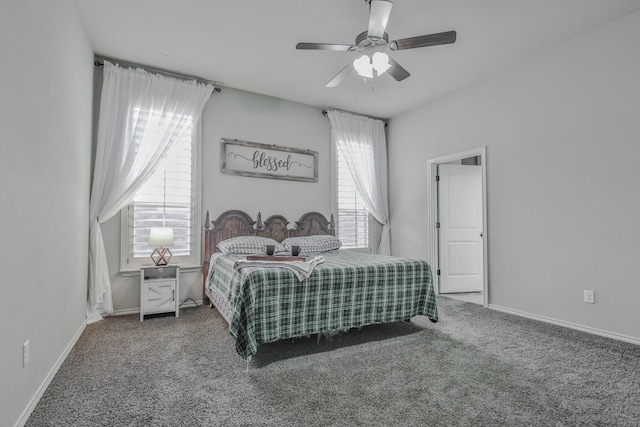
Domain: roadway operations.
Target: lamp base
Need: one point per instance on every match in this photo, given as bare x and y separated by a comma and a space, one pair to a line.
161, 255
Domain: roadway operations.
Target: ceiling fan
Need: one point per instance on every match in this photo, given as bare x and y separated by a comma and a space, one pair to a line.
372, 43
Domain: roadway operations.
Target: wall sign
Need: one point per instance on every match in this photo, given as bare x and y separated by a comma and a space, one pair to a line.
268, 161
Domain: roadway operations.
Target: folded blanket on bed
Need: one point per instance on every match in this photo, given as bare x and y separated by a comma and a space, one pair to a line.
302, 269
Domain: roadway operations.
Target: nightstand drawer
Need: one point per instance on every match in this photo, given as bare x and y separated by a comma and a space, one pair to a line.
153, 273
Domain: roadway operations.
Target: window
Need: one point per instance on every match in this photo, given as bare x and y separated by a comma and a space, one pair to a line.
170, 198
353, 218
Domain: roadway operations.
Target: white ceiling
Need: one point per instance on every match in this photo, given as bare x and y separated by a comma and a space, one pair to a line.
250, 44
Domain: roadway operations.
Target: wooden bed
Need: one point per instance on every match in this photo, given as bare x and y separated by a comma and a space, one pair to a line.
235, 223
347, 289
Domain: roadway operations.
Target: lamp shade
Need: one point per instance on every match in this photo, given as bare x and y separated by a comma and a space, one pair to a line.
161, 236
380, 62
363, 66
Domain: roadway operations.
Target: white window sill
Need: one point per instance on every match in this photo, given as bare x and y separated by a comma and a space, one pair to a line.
183, 269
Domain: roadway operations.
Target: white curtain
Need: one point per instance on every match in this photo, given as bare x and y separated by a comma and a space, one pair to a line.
362, 142
141, 116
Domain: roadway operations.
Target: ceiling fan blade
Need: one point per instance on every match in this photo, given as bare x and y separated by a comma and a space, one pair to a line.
340, 76
325, 46
396, 70
424, 41
379, 11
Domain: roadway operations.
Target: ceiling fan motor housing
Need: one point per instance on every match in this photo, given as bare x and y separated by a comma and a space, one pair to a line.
365, 43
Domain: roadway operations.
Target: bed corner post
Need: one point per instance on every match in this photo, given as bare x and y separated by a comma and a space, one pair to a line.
205, 256
207, 239
259, 225
332, 226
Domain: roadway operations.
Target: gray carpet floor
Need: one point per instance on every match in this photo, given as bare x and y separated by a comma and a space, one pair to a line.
476, 367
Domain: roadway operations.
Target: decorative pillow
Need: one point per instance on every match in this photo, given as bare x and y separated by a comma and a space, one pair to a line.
248, 245
313, 243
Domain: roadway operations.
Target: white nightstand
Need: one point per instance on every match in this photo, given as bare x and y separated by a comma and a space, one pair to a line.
159, 290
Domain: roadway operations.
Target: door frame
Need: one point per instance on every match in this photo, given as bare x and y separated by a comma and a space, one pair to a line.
432, 194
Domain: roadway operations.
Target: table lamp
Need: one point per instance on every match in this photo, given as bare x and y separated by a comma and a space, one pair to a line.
161, 237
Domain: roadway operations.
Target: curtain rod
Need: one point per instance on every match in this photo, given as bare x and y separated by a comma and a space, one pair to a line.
100, 63
324, 113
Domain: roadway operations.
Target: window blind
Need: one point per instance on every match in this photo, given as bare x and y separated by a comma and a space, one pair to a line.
172, 206
353, 218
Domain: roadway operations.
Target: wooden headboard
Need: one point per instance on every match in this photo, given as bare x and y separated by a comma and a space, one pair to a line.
235, 223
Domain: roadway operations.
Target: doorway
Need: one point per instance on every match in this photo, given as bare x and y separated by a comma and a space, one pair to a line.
458, 218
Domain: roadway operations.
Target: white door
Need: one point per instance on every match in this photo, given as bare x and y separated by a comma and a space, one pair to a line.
460, 232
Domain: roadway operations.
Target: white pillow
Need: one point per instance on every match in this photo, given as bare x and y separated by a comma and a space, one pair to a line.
248, 245
321, 243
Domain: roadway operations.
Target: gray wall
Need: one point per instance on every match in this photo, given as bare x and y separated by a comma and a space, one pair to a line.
45, 136
563, 139
246, 116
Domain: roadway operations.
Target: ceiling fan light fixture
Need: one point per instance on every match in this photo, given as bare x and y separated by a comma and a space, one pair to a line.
363, 66
380, 62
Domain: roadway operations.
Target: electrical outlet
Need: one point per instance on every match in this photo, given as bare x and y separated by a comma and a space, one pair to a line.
25, 353
589, 297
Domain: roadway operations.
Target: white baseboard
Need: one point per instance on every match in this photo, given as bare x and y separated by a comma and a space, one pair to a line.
569, 325
127, 311
43, 387
124, 312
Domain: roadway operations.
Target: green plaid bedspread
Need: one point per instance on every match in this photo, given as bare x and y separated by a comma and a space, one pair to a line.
350, 289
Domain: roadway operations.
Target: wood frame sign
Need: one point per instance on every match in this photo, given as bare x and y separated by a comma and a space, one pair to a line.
268, 161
